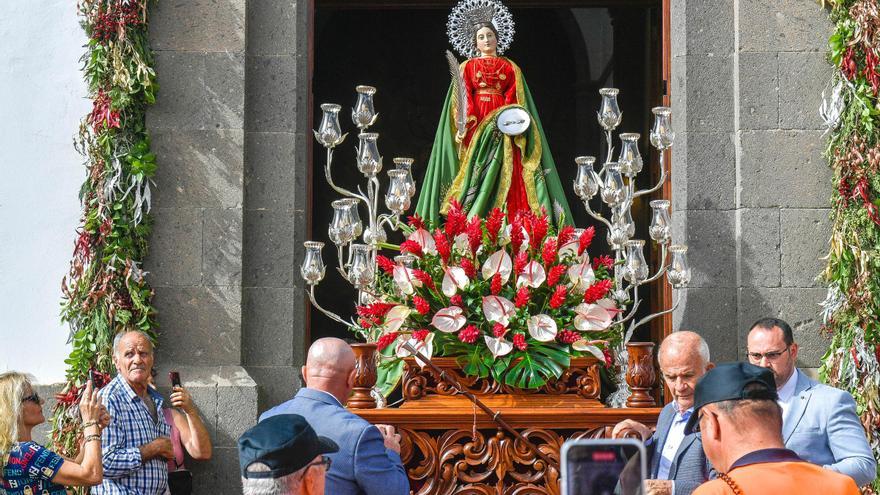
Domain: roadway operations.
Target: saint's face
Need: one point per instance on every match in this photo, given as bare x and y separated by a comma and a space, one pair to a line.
487, 43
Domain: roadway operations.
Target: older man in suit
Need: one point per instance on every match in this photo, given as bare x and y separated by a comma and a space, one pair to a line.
368, 461
677, 462
819, 422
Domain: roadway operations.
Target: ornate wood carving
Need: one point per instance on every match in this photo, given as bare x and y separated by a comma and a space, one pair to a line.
365, 376
640, 374
580, 379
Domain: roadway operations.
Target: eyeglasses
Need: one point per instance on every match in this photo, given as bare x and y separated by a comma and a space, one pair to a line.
325, 461
770, 356
703, 413
34, 397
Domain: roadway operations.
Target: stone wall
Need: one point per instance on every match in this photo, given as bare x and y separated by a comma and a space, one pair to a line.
750, 187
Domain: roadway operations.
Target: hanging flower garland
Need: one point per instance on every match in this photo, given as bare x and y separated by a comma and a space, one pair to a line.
851, 311
105, 290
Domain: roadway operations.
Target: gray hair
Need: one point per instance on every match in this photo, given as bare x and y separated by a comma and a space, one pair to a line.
285, 485
118, 338
702, 346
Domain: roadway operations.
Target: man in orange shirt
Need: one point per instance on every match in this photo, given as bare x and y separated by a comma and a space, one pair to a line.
736, 411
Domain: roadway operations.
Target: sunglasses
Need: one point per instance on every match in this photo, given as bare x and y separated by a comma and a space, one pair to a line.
34, 397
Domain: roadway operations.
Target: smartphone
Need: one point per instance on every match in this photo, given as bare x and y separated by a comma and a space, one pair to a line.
174, 376
603, 467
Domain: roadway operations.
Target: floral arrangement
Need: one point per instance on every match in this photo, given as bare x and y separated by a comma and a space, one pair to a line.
852, 307
512, 300
105, 290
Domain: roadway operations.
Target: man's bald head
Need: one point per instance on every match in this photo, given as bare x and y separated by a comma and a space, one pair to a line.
683, 358
684, 342
329, 360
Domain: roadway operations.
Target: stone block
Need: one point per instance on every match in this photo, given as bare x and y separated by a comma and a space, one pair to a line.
711, 312
758, 90
199, 168
805, 236
784, 169
802, 77
704, 172
759, 247
797, 306
222, 246
175, 255
709, 93
199, 91
269, 337
271, 27
274, 106
277, 384
702, 28
198, 26
678, 95
237, 397
221, 474
783, 25
269, 243
711, 237
274, 175
199, 325
678, 27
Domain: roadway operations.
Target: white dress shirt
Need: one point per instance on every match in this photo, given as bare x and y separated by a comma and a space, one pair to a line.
673, 440
786, 392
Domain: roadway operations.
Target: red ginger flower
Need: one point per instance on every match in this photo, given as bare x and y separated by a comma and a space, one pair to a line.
516, 234
609, 358
604, 260
469, 334
522, 297
456, 219
597, 291
442, 245
493, 224
585, 239
548, 253
565, 234
375, 310
520, 261
540, 226
499, 330
422, 306
468, 266
385, 264
568, 336
386, 340
558, 298
519, 341
416, 222
555, 273
420, 335
425, 279
456, 300
411, 247
474, 234
496, 284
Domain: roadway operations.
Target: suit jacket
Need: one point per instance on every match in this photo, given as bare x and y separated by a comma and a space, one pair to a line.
363, 465
822, 426
690, 468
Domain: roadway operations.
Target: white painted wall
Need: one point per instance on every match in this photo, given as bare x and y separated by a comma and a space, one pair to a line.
42, 98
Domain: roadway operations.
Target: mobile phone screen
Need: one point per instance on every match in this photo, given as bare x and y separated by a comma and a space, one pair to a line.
603, 468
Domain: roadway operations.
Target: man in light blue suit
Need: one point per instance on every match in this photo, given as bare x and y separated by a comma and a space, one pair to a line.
368, 461
819, 422
677, 462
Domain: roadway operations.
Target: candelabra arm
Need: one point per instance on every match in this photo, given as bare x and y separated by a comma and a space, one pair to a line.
333, 316
610, 153
596, 215
392, 221
664, 252
633, 325
329, 175
662, 180
635, 307
342, 262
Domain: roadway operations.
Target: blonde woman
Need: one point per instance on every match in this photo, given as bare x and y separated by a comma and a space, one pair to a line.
30, 468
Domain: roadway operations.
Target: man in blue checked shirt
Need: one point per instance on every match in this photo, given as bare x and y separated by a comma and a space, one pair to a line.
137, 443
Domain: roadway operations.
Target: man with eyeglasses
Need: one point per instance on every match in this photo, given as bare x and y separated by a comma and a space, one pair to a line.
284, 456
818, 422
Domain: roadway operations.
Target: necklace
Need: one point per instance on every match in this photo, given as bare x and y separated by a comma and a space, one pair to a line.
490, 68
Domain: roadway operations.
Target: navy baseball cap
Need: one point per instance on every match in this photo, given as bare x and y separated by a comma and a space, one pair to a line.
728, 381
286, 443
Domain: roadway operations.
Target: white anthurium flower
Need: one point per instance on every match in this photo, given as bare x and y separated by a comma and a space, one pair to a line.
405, 279
424, 239
581, 276
396, 318
500, 263
542, 328
584, 345
504, 238
460, 243
533, 275
425, 347
609, 305
449, 320
592, 317
570, 248
454, 280
498, 346
498, 309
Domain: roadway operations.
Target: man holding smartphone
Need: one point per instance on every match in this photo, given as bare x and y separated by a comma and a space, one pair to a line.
677, 464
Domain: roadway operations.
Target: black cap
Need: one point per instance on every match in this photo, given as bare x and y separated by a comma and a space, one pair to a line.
286, 443
728, 381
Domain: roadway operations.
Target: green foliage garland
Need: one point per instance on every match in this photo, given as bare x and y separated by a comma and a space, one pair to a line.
852, 308
105, 290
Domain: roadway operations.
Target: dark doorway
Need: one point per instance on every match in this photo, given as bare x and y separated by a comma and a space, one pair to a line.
566, 54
